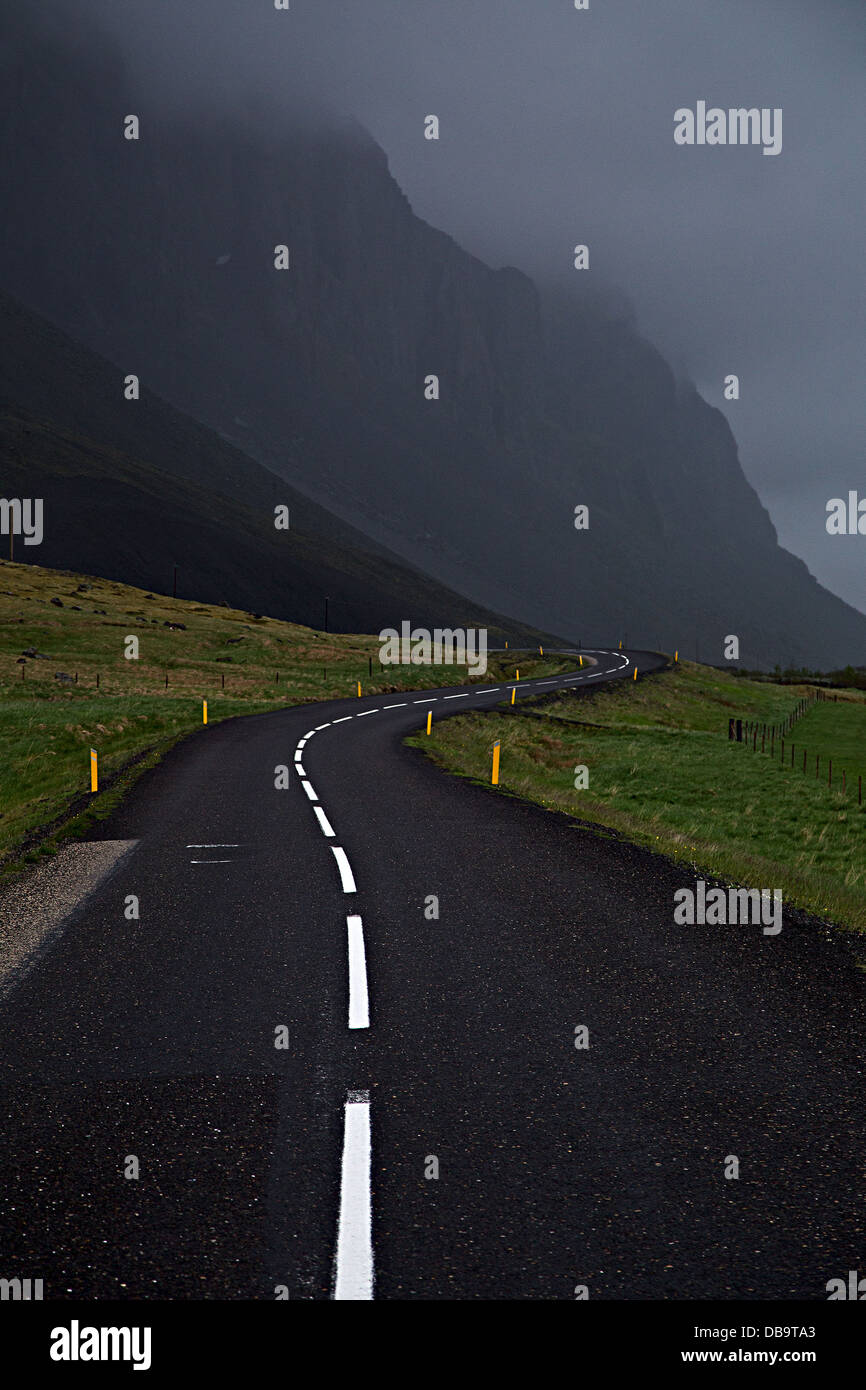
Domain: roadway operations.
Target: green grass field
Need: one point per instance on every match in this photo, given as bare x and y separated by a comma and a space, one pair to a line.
662, 771
241, 664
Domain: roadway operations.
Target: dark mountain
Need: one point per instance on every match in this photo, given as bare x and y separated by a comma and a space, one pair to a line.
131, 488
159, 253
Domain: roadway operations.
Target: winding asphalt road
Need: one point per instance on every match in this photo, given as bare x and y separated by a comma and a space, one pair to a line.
418, 1045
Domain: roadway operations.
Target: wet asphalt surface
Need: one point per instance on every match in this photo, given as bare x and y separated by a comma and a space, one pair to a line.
601, 1166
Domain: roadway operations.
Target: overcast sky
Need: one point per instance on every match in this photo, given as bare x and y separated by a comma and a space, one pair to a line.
557, 128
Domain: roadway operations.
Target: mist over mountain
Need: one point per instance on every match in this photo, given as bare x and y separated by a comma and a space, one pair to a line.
159, 255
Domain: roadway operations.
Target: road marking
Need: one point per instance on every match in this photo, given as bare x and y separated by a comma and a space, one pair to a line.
454, 697
401, 706
354, 1280
308, 788
343, 720
297, 755
365, 712
301, 743
359, 1003
217, 846
308, 734
426, 702
211, 861
323, 821
322, 726
491, 691
346, 876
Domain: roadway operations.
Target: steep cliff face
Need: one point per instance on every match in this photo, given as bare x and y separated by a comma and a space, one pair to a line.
160, 254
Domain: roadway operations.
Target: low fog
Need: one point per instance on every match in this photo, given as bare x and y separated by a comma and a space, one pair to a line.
557, 128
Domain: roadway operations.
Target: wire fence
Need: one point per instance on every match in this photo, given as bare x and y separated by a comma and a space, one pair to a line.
750, 732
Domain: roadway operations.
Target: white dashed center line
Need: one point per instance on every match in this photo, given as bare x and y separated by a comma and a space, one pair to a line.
354, 1256
346, 876
354, 1281
359, 1003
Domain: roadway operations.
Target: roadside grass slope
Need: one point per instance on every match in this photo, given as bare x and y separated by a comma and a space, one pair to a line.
663, 773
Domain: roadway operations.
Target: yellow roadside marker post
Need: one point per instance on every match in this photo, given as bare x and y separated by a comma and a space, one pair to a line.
676, 655
94, 785
204, 711
429, 720
517, 674
581, 661
541, 651
635, 673
359, 690
513, 693
495, 776
620, 644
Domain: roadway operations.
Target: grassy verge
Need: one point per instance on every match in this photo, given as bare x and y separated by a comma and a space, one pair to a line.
132, 710
662, 771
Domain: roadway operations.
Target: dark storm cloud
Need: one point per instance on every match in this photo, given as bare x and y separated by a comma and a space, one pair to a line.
557, 127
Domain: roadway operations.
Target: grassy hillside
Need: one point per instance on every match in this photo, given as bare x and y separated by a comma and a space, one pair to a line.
662, 771
131, 710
